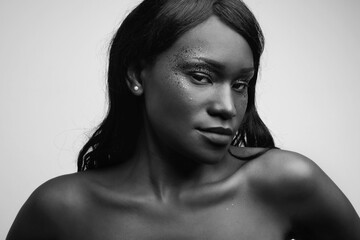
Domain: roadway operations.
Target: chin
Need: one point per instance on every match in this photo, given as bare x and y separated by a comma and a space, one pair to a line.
211, 156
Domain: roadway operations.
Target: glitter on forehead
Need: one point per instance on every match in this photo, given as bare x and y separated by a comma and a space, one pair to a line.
186, 52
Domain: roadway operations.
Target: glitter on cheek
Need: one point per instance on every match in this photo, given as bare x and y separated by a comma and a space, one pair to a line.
179, 80
177, 76
181, 86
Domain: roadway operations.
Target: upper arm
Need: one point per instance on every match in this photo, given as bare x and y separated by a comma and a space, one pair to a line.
324, 212
315, 206
35, 219
49, 207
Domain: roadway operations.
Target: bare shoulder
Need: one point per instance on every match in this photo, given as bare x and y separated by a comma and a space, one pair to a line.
298, 188
63, 191
283, 173
49, 206
275, 172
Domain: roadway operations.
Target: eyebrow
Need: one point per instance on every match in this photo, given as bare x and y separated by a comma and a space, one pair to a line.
219, 67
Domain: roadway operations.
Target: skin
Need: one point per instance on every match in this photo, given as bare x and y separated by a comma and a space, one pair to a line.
182, 183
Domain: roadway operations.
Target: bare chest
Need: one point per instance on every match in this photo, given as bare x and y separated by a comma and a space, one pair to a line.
227, 221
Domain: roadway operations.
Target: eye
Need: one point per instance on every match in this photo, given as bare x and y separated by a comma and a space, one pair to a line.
201, 78
240, 85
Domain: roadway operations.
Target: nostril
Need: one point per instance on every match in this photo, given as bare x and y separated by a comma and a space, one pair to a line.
222, 111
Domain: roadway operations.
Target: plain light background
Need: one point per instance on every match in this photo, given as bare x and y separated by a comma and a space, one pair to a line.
52, 86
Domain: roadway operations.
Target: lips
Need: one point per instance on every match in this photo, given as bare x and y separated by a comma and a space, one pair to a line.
217, 135
219, 130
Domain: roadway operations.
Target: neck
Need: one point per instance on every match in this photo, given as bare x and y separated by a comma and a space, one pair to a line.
167, 172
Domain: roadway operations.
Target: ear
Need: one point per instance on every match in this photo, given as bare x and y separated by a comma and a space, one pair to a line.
134, 81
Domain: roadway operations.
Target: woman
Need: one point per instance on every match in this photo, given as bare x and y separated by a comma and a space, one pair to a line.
182, 153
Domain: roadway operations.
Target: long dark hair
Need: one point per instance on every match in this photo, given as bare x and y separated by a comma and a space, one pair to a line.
151, 28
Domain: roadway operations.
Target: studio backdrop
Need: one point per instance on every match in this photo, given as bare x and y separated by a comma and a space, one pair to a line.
52, 86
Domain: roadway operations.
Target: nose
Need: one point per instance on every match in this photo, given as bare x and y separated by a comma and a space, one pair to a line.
222, 104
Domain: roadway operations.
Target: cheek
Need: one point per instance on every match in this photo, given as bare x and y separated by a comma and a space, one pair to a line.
180, 91
241, 105
169, 98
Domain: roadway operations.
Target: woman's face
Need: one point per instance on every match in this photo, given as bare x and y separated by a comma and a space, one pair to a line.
196, 91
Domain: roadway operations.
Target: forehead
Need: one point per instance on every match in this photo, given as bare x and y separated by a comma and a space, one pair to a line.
214, 40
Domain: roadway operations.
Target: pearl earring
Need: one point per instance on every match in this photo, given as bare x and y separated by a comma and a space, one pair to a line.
136, 88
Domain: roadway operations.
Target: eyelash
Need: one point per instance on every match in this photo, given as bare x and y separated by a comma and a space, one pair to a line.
243, 85
198, 77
